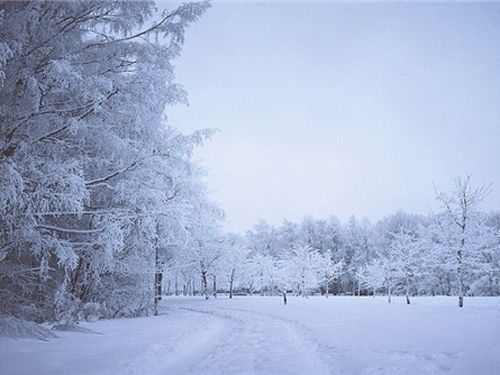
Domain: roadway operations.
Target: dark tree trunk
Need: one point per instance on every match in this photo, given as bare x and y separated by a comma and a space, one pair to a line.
204, 284
215, 286
407, 294
460, 273
231, 283
284, 297
389, 291
158, 281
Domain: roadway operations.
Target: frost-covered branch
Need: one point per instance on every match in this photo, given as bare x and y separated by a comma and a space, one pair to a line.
68, 230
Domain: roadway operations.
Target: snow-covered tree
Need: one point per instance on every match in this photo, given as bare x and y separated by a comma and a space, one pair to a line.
356, 252
329, 270
487, 275
233, 260
302, 269
263, 240
205, 245
407, 256
462, 228
374, 275
264, 273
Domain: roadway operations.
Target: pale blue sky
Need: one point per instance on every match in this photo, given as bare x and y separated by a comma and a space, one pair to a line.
332, 108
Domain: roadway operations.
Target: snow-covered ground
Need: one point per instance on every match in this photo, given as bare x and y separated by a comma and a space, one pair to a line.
258, 335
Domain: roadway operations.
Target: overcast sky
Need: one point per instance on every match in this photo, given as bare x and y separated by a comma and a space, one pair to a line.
342, 108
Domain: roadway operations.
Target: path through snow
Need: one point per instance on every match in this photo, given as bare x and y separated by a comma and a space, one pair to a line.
260, 344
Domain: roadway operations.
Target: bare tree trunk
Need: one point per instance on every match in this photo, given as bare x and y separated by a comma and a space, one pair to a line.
215, 285
407, 294
204, 284
448, 284
460, 274
303, 287
158, 280
327, 287
231, 283
389, 290
284, 297
176, 286
168, 287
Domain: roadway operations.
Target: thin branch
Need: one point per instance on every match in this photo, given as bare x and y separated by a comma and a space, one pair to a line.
144, 32
112, 175
68, 230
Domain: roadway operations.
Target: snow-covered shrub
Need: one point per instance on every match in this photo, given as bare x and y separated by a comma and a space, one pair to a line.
11, 326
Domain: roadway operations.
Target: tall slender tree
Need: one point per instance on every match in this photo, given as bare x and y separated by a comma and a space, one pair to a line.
461, 224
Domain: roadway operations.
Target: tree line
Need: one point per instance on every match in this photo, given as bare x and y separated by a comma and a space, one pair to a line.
452, 251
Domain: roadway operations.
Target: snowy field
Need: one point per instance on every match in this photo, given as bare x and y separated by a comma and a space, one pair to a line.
258, 335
